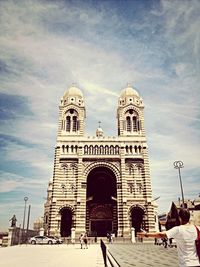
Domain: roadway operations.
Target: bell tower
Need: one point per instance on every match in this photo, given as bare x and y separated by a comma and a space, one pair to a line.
135, 173
130, 113
72, 113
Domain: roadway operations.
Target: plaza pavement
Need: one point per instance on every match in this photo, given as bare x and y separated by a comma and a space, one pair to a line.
51, 256
143, 255
126, 254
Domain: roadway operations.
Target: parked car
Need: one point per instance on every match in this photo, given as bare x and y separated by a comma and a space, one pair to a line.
42, 240
58, 240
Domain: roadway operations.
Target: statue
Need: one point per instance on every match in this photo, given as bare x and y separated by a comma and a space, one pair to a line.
13, 221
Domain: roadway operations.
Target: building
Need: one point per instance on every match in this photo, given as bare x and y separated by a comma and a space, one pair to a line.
38, 224
170, 219
193, 205
100, 184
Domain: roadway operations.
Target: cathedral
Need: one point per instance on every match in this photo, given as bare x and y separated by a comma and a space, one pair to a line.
101, 184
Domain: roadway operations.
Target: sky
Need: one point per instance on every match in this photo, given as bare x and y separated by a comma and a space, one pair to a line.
46, 46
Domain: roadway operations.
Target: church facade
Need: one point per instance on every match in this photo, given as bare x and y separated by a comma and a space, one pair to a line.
100, 184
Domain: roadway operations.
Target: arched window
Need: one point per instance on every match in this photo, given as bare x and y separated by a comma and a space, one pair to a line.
71, 120
74, 128
139, 125
90, 149
111, 150
135, 147
116, 149
132, 121
135, 128
101, 150
95, 150
68, 123
85, 149
128, 124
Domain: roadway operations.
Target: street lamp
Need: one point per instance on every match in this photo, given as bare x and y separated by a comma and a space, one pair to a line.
25, 200
27, 229
178, 165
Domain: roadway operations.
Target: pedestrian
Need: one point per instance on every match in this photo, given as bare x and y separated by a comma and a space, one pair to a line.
81, 240
95, 239
170, 242
185, 235
113, 237
164, 241
109, 237
85, 240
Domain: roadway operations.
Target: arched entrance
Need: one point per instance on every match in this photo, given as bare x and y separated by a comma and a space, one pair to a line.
66, 222
137, 214
101, 208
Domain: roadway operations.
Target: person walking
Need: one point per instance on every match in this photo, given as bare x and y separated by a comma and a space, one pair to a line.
85, 240
185, 235
81, 240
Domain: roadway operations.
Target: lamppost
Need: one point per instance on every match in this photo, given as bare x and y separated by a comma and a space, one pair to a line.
25, 200
27, 229
178, 165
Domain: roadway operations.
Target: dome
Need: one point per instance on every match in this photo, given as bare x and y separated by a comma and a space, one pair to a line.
99, 132
129, 91
73, 91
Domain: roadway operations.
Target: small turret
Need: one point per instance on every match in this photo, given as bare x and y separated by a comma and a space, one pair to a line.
99, 131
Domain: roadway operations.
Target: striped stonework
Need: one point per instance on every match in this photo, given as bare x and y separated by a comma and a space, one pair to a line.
100, 184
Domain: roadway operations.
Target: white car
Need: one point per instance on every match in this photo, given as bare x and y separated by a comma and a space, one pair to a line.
58, 240
42, 240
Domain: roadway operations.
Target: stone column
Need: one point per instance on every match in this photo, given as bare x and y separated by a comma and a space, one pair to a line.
81, 196
133, 235
73, 235
123, 220
148, 195
41, 231
126, 229
10, 236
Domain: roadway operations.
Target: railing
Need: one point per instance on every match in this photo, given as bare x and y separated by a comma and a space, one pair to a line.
100, 150
109, 260
103, 248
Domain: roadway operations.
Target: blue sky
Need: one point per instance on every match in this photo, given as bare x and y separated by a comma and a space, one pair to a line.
45, 46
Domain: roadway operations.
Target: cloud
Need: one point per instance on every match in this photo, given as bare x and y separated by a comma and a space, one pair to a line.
47, 46
34, 156
11, 182
10, 185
